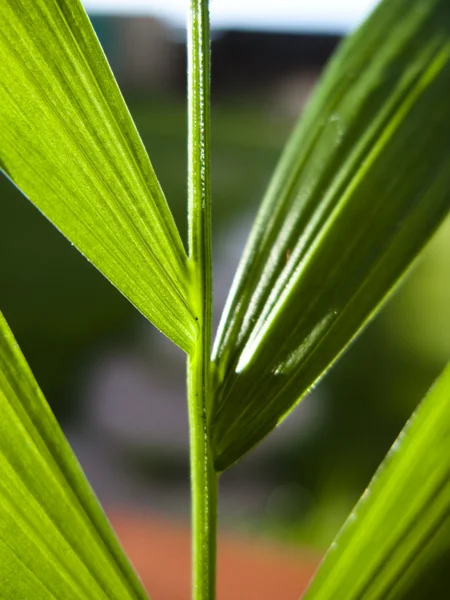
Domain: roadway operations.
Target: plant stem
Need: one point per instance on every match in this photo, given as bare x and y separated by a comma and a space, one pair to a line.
203, 476
203, 490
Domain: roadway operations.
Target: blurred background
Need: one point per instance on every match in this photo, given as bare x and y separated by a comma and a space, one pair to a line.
117, 386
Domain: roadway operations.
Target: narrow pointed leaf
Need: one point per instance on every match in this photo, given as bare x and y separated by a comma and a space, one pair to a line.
55, 541
362, 185
400, 528
68, 142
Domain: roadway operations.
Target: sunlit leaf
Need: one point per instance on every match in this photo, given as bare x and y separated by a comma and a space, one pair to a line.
362, 185
68, 142
55, 541
401, 525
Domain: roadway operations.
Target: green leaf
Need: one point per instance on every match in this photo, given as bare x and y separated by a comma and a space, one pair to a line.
68, 142
400, 527
55, 541
362, 185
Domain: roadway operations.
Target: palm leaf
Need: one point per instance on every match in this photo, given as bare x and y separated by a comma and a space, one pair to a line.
361, 187
400, 528
55, 541
68, 142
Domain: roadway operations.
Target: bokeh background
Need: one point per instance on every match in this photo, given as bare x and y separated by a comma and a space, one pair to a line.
117, 386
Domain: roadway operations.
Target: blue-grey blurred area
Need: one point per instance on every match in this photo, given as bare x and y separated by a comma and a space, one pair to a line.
118, 387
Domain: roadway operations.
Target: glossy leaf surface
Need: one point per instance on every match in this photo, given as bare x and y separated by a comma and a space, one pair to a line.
362, 185
400, 528
55, 541
68, 142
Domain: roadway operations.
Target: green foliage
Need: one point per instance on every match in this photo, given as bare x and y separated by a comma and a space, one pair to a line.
401, 524
68, 142
361, 187
347, 210
55, 541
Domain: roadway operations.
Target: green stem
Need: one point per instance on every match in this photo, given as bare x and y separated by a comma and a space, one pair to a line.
203, 476
203, 490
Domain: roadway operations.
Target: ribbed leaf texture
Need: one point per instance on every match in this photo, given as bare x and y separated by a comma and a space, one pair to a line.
68, 142
55, 542
393, 543
362, 185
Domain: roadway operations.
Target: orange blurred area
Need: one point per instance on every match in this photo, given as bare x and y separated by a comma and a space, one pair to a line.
247, 569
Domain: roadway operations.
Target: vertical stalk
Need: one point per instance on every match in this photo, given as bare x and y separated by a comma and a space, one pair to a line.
203, 476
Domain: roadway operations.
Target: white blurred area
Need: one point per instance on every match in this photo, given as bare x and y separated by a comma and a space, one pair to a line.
283, 15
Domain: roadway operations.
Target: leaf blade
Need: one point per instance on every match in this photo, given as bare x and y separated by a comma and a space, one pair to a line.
359, 190
54, 538
68, 142
402, 519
